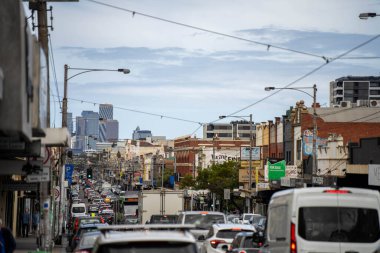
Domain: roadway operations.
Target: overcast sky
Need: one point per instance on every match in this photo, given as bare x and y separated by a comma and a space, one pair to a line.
195, 75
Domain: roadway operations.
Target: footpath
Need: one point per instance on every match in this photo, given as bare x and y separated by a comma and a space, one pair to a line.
29, 245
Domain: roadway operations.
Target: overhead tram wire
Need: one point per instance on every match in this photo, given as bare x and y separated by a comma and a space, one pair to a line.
304, 76
141, 112
268, 46
54, 70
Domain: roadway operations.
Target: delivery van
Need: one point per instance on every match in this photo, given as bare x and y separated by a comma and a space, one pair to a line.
323, 219
78, 210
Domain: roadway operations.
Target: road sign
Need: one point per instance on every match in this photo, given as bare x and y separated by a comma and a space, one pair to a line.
227, 193
43, 176
57, 193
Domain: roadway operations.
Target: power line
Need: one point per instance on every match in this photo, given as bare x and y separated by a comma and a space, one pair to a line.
305, 75
268, 46
138, 111
54, 71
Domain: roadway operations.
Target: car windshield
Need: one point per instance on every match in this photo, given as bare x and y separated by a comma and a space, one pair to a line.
163, 219
150, 247
204, 221
339, 224
78, 209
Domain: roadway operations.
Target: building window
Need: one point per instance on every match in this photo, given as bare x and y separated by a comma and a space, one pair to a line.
299, 149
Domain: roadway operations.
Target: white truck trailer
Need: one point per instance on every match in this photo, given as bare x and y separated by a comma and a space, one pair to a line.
161, 202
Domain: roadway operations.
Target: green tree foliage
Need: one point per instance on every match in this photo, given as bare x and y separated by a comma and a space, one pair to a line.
187, 181
219, 177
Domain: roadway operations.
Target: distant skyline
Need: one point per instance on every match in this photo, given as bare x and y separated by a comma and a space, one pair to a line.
196, 76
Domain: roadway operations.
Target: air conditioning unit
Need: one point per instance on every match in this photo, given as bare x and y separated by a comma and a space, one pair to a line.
361, 103
374, 103
345, 103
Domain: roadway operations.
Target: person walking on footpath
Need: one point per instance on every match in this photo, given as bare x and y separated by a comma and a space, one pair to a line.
25, 223
35, 221
9, 240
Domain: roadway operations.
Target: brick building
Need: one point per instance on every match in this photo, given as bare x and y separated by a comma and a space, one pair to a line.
192, 153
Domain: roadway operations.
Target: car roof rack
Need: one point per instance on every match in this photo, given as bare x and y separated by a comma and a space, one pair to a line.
183, 228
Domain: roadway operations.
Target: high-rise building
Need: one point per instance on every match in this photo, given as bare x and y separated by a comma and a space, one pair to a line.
141, 134
355, 91
108, 130
87, 130
106, 111
69, 120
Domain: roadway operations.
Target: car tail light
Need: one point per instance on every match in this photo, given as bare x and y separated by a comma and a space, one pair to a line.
83, 251
293, 243
214, 243
242, 251
337, 191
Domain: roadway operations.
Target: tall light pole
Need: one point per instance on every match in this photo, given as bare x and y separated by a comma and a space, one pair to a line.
314, 96
66, 79
250, 155
368, 15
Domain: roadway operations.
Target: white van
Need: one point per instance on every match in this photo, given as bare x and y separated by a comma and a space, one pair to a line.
323, 219
78, 210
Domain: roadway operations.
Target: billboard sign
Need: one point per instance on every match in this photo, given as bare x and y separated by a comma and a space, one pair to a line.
245, 153
277, 170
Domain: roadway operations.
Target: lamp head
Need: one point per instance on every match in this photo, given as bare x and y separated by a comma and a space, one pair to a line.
125, 71
367, 15
269, 88
222, 117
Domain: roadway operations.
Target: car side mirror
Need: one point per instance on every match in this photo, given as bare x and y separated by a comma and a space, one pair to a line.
201, 238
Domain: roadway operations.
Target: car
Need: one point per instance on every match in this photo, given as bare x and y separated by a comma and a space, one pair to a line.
202, 220
163, 219
144, 239
86, 243
78, 210
131, 219
323, 219
108, 215
247, 216
246, 242
220, 236
255, 219
83, 229
232, 218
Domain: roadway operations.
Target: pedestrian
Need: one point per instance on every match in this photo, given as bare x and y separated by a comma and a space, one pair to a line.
35, 221
25, 222
9, 240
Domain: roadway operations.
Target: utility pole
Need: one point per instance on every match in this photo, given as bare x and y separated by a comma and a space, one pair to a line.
315, 162
250, 162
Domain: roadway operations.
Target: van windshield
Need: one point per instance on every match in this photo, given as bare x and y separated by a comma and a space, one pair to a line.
339, 224
78, 209
149, 247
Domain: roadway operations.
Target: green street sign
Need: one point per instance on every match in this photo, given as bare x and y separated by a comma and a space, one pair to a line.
277, 170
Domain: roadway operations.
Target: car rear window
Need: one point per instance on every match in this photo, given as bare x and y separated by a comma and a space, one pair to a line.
150, 247
339, 224
229, 234
204, 221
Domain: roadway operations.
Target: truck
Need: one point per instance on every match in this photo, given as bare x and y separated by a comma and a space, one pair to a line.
161, 202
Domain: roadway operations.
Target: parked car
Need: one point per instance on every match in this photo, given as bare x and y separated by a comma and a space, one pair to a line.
322, 219
220, 236
86, 243
83, 229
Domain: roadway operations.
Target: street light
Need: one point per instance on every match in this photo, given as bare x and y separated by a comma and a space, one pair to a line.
66, 78
250, 155
368, 15
314, 96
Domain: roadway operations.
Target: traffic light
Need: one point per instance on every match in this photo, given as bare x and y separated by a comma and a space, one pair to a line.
89, 173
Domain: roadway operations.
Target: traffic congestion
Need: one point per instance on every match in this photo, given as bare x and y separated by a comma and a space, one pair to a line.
315, 219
